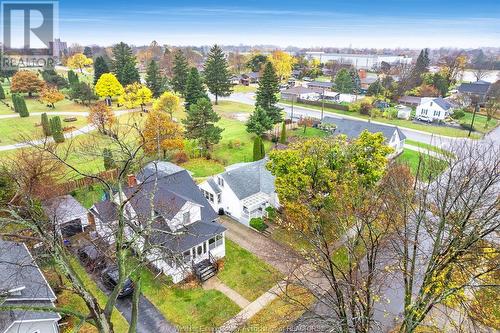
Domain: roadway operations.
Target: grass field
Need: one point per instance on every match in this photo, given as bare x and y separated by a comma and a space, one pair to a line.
244, 89
428, 147
441, 130
430, 167
17, 129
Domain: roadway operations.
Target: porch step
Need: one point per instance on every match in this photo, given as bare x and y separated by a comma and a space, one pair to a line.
266, 232
205, 270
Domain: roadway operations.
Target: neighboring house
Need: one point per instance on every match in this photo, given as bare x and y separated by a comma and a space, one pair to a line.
366, 81
320, 85
353, 128
186, 237
243, 191
435, 108
23, 284
410, 100
67, 214
299, 92
252, 77
235, 79
479, 90
404, 112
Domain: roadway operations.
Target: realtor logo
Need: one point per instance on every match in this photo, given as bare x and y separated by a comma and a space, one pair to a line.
28, 29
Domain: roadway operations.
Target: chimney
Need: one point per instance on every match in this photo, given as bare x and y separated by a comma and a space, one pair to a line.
131, 181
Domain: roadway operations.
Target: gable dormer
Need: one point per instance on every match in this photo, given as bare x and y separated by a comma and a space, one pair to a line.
189, 213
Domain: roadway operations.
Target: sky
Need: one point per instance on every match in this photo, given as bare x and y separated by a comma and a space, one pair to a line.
306, 23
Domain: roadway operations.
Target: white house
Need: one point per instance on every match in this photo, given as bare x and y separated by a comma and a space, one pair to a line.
69, 216
23, 284
299, 92
436, 108
185, 236
243, 191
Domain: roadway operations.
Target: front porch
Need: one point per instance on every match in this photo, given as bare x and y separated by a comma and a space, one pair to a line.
254, 207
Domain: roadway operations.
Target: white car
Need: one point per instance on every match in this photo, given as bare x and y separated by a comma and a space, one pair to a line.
423, 118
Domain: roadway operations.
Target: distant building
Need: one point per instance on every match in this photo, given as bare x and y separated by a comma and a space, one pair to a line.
300, 92
479, 89
23, 284
410, 100
434, 108
364, 61
58, 48
320, 84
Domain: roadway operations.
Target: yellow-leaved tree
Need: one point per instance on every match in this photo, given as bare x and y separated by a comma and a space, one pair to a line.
51, 95
108, 86
168, 102
79, 61
161, 133
283, 63
135, 95
101, 116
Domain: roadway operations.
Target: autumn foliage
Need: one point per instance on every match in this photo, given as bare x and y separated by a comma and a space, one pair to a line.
26, 82
101, 116
51, 95
162, 134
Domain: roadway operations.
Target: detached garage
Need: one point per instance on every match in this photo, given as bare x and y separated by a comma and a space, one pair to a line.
69, 216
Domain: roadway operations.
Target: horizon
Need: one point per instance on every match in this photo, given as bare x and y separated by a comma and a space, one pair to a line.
391, 24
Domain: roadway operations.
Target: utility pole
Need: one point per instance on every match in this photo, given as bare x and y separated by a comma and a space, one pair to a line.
291, 114
322, 103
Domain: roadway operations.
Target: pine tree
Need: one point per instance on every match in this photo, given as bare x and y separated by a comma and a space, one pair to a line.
124, 64
72, 78
356, 81
200, 124
87, 51
257, 148
20, 105
180, 73
100, 67
109, 162
154, 80
15, 102
259, 122
217, 76
283, 133
421, 66
195, 89
343, 82
267, 94
56, 128
46, 125
2, 92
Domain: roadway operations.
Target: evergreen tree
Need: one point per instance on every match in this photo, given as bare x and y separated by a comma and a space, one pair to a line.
2, 92
356, 81
72, 78
100, 67
421, 66
87, 51
375, 89
154, 80
109, 162
343, 82
267, 94
180, 73
56, 129
283, 133
15, 102
217, 76
259, 122
46, 125
124, 64
195, 89
200, 124
20, 105
258, 149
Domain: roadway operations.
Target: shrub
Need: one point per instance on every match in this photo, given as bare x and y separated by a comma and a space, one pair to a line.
365, 108
56, 128
46, 125
375, 113
20, 105
458, 114
2, 92
271, 213
258, 223
180, 157
467, 126
109, 162
354, 107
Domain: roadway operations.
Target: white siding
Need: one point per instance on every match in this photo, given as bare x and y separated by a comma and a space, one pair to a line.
430, 109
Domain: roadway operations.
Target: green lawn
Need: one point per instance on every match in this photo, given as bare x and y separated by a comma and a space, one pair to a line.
201, 167
187, 305
309, 133
480, 122
34, 105
429, 168
227, 107
427, 147
239, 88
15, 129
441, 130
89, 195
245, 273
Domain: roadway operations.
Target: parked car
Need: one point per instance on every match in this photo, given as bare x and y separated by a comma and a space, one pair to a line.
423, 118
110, 278
91, 257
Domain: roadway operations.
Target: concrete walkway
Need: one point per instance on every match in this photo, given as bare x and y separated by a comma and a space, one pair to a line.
216, 284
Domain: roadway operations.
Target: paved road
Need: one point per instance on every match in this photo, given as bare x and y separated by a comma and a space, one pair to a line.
436, 140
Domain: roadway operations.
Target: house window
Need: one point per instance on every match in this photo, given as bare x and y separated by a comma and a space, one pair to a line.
186, 218
211, 197
208, 195
199, 250
211, 243
186, 256
220, 181
219, 197
424, 112
436, 113
218, 240
204, 247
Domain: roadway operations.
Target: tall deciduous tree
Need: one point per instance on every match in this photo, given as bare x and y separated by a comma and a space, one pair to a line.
195, 89
161, 133
180, 73
124, 64
282, 63
257, 62
154, 79
259, 122
108, 86
217, 76
26, 82
343, 82
100, 67
51, 95
200, 124
101, 116
168, 102
79, 61
136, 95
267, 94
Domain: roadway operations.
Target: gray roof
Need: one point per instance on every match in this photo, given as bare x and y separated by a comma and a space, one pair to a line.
19, 270
214, 185
63, 209
475, 88
249, 179
444, 104
320, 84
301, 90
172, 192
164, 169
410, 99
353, 128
